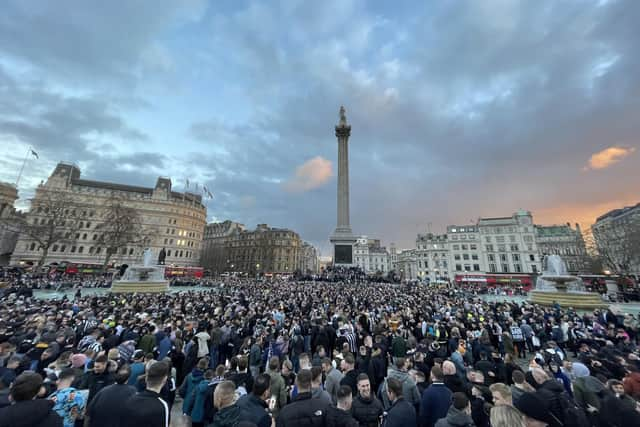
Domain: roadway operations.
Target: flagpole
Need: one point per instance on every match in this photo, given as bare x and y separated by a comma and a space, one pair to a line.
24, 162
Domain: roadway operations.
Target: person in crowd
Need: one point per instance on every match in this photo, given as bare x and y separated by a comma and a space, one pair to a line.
333, 379
458, 414
68, 401
317, 391
401, 412
435, 400
303, 410
536, 410
254, 407
137, 367
147, 408
278, 387
27, 410
105, 408
520, 385
340, 415
501, 394
350, 377
366, 408
188, 388
228, 412
507, 416
97, 378
400, 371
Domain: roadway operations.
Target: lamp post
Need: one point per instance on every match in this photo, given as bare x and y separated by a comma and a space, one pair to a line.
257, 270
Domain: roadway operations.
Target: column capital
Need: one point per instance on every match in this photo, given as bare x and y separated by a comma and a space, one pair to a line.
343, 131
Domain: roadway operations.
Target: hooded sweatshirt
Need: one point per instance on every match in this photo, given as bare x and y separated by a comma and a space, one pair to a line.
455, 418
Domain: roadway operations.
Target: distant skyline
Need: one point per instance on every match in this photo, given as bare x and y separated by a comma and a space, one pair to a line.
459, 110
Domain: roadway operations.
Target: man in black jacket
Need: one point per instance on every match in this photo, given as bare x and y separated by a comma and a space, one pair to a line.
26, 410
340, 416
350, 374
253, 406
303, 411
401, 413
366, 408
105, 408
147, 408
97, 379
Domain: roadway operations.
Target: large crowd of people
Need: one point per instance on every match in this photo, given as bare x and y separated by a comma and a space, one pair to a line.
252, 353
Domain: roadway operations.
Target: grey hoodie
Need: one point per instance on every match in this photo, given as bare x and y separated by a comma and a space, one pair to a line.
409, 389
455, 418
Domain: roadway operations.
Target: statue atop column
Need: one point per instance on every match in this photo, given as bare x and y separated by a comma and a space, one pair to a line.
343, 116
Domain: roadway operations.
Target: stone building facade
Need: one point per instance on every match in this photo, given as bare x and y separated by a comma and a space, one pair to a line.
172, 220
371, 256
432, 257
617, 239
8, 236
564, 241
309, 263
229, 247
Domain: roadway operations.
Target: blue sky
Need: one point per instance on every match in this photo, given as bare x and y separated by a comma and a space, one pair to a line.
459, 109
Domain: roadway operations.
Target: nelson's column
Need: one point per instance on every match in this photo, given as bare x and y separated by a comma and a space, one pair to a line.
342, 238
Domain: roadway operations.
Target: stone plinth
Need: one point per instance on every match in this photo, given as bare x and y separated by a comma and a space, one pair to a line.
122, 286
586, 300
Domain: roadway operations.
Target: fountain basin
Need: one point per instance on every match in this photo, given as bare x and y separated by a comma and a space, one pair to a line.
584, 300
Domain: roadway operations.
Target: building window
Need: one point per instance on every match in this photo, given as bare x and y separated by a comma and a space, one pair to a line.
534, 268
532, 257
84, 236
467, 267
474, 257
91, 249
489, 248
55, 248
131, 251
456, 257
95, 237
512, 239
515, 257
464, 247
98, 250
473, 247
505, 268
169, 252
492, 268
458, 267
503, 257
81, 249
476, 267
63, 248
465, 257
518, 268
491, 257
502, 248
514, 248
73, 249
456, 247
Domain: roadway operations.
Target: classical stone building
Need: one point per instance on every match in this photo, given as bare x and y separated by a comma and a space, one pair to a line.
8, 236
617, 238
173, 221
465, 249
509, 243
432, 257
371, 256
564, 241
215, 244
308, 262
229, 247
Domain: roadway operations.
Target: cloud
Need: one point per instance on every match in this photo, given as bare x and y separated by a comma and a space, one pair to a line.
310, 175
609, 156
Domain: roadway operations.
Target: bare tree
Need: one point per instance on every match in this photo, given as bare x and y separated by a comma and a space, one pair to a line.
53, 219
618, 245
120, 228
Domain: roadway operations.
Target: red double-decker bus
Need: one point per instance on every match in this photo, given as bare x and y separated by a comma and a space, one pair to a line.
183, 272
495, 279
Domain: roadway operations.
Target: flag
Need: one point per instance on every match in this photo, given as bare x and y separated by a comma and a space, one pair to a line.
34, 153
196, 186
187, 182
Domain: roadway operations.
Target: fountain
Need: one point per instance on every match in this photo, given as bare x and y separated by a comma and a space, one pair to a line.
556, 285
142, 278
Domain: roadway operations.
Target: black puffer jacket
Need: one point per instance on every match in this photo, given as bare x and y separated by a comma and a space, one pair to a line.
339, 418
303, 411
30, 413
367, 411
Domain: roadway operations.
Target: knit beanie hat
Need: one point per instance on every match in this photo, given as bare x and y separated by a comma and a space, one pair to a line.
580, 370
533, 406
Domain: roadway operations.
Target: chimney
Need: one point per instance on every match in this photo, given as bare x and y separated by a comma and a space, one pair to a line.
578, 228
